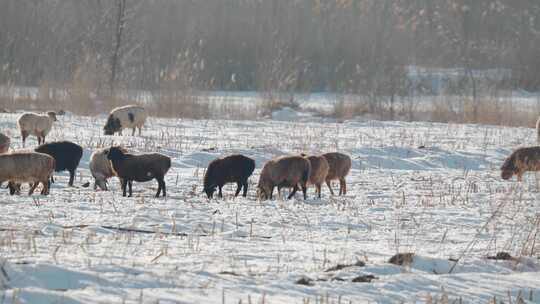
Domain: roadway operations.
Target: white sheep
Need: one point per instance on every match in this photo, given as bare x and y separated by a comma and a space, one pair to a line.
101, 168
4, 143
126, 117
35, 124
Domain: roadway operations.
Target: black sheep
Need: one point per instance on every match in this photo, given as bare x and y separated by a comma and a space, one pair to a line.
66, 154
139, 168
231, 169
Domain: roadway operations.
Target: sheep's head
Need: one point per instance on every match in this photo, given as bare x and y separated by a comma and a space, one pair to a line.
508, 169
115, 153
210, 190
264, 190
52, 116
112, 125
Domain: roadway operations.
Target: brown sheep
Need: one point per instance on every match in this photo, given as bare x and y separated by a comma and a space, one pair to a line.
285, 171
521, 161
140, 168
26, 167
340, 165
4, 143
319, 171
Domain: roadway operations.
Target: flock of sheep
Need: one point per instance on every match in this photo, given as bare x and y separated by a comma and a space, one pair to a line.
37, 166
297, 172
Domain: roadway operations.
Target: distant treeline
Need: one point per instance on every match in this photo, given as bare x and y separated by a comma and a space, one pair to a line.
352, 46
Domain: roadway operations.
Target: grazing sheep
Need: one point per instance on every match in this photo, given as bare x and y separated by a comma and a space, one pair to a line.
131, 116
286, 171
4, 143
521, 161
101, 168
339, 167
26, 167
66, 154
231, 169
140, 168
319, 171
35, 124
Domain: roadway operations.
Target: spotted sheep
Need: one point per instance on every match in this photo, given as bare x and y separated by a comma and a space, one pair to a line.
284, 172
126, 117
36, 124
521, 161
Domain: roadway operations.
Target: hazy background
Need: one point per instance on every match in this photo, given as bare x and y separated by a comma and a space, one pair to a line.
472, 60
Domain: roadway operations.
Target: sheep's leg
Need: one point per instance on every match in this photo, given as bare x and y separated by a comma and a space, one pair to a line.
328, 183
318, 189
159, 187
220, 193
71, 177
304, 190
238, 188
130, 184
272, 192
133, 133
124, 186
140, 130
163, 187
45, 190
33, 187
24, 135
245, 189
295, 188
342, 186
52, 178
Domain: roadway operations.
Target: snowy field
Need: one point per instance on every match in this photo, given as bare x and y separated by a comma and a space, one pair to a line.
429, 189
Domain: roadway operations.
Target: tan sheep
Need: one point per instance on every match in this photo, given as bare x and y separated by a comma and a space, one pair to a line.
285, 171
26, 167
521, 161
101, 168
126, 117
319, 171
4, 143
340, 165
35, 124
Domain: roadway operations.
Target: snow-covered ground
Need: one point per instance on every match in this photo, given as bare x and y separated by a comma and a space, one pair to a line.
424, 188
